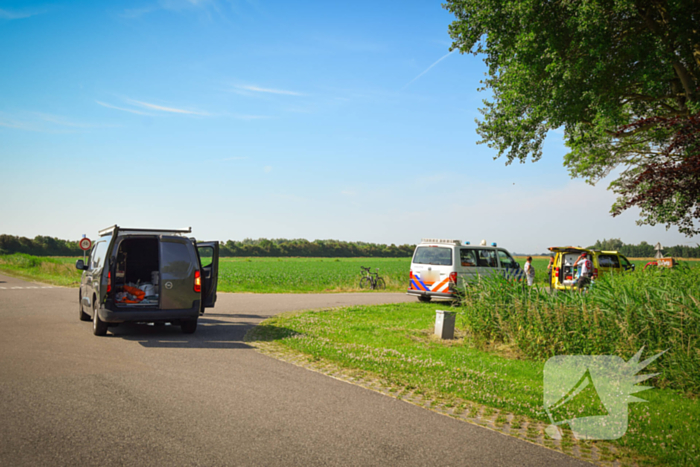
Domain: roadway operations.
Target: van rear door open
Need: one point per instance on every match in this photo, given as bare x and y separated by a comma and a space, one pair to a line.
209, 261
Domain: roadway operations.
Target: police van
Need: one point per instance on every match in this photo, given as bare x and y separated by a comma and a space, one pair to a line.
440, 267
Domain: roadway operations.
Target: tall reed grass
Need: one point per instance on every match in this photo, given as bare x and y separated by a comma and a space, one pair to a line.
656, 309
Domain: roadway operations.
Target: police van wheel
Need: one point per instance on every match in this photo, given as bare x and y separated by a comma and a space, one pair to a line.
424, 298
189, 326
99, 327
83, 316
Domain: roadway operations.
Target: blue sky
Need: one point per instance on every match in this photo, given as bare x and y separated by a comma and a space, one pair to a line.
268, 119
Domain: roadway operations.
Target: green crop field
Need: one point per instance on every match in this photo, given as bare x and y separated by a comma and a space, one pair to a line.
265, 275
278, 275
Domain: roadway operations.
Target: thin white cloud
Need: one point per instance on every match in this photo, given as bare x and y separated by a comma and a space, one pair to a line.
269, 90
166, 109
267, 169
428, 69
14, 124
179, 6
63, 121
9, 14
133, 111
348, 193
45, 123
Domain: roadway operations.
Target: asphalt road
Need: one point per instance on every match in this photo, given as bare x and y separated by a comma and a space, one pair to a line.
147, 395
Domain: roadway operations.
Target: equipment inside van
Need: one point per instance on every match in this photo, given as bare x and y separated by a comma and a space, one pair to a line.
147, 275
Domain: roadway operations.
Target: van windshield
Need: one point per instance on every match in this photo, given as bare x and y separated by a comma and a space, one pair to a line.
438, 256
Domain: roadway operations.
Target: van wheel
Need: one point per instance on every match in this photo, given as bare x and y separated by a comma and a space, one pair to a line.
424, 298
99, 327
189, 326
83, 316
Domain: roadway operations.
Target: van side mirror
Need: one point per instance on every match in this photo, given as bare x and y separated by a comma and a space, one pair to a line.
80, 265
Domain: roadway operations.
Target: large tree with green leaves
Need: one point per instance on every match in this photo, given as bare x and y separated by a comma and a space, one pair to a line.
620, 77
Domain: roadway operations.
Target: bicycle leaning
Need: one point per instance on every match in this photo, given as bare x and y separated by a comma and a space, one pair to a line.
371, 280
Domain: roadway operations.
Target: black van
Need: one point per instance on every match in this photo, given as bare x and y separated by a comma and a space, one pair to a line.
145, 275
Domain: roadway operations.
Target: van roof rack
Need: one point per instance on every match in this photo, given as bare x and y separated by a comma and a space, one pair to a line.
440, 240
111, 229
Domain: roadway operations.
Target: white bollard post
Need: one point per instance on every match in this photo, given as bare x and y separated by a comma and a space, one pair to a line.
445, 324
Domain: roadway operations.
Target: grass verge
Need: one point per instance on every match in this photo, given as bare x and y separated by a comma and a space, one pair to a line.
55, 271
390, 348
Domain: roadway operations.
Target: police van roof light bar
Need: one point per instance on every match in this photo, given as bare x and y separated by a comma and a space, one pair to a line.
439, 240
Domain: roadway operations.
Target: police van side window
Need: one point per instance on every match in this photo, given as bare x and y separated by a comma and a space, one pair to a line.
437, 256
467, 257
487, 259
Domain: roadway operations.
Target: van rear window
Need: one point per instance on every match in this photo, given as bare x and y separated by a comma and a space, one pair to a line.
438, 256
176, 261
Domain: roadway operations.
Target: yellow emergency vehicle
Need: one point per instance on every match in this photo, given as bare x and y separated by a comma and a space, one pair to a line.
564, 274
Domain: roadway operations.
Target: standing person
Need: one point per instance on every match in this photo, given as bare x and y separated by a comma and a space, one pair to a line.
586, 269
550, 268
529, 271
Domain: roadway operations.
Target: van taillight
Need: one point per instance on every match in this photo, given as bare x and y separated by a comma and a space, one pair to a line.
197, 282
453, 277
109, 282
410, 274
595, 273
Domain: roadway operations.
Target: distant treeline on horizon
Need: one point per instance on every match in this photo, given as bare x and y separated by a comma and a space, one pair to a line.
50, 246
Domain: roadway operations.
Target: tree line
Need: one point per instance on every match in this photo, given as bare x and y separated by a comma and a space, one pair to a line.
38, 246
645, 250
50, 246
317, 248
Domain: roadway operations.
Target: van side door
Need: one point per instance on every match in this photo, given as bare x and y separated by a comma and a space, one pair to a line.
467, 263
96, 276
209, 266
608, 263
487, 264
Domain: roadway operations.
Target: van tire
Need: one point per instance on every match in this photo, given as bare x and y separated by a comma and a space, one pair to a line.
83, 316
189, 326
99, 327
424, 298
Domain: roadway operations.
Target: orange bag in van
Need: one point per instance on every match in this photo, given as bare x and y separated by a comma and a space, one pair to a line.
138, 293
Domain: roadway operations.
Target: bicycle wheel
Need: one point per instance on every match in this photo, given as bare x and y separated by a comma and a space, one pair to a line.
365, 283
380, 284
